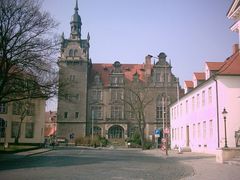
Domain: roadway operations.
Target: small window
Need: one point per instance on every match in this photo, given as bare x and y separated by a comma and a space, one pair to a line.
3, 108
65, 114
76, 114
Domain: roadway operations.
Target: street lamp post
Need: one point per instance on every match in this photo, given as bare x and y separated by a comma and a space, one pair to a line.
224, 113
92, 124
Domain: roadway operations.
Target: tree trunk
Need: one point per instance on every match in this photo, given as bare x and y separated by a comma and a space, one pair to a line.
19, 131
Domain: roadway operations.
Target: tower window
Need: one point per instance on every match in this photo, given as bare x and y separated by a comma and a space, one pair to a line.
65, 114
70, 52
75, 52
76, 114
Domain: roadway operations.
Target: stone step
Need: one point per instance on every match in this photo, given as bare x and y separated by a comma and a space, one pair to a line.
234, 161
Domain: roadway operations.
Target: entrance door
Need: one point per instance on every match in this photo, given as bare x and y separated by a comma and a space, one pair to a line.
187, 136
116, 132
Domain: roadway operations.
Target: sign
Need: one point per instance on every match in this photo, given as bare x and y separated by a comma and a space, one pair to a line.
166, 131
157, 133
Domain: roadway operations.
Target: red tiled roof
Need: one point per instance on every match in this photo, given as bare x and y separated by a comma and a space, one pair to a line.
189, 84
199, 75
104, 70
214, 66
231, 66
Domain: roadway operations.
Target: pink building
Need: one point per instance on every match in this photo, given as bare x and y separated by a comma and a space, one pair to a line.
197, 122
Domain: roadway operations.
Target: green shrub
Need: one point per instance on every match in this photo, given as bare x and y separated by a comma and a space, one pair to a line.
88, 141
148, 145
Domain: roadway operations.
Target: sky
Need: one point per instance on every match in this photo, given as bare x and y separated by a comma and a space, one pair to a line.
189, 32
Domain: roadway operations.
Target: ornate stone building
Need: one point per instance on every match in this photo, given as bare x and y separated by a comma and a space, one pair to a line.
93, 95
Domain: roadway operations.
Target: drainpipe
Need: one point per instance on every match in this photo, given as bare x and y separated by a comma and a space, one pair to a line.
217, 111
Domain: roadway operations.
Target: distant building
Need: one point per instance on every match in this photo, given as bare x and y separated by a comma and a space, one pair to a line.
93, 92
50, 123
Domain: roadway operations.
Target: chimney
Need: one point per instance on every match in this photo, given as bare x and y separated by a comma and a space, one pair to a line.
235, 48
148, 60
147, 65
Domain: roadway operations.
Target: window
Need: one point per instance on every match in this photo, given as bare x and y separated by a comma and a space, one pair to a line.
160, 112
77, 97
210, 128
181, 109
199, 131
97, 112
194, 131
97, 95
3, 108
173, 134
204, 129
97, 79
15, 127
116, 112
70, 52
31, 109
177, 111
181, 133
116, 94
75, 52
210, 95
193, 103
203, 98
3, 125
29, 130
198, 100
65, 114
186, 106
17, 106
161, 109
76, 115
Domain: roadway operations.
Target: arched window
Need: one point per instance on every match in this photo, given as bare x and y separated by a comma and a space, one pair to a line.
70, 52
75, 52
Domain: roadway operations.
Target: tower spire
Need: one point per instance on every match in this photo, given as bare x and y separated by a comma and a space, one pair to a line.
76, 24
76, 7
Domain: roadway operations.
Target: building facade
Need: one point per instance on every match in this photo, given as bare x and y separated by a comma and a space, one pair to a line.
32, 126
92, 95
197, 121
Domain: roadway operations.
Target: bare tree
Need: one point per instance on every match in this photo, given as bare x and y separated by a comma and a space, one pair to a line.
27, 51
138, 97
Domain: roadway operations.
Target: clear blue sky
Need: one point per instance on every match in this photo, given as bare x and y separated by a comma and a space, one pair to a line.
190, 32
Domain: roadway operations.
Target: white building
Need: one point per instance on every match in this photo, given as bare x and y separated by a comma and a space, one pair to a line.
196, 119
32, 127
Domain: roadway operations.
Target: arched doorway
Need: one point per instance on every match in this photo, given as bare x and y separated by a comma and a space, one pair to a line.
116, 132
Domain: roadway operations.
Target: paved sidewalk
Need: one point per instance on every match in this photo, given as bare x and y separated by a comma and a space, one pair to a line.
204, 165
4, 157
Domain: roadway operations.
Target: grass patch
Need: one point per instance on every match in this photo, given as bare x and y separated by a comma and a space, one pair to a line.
17, 148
